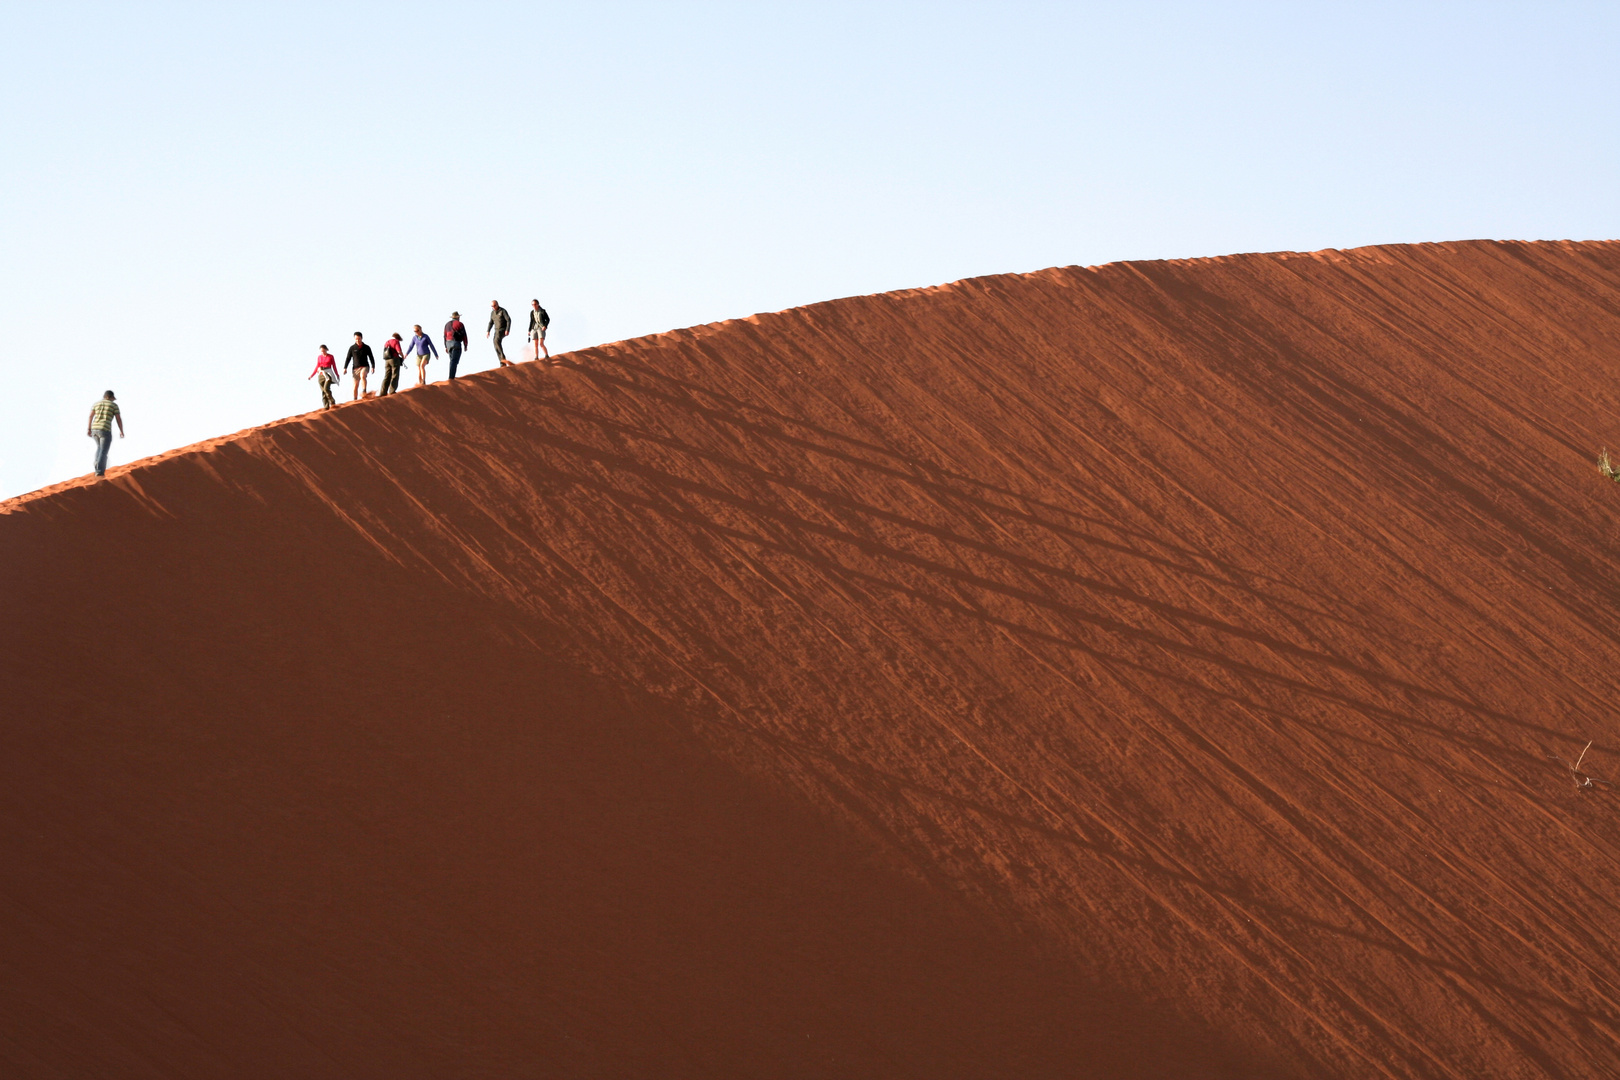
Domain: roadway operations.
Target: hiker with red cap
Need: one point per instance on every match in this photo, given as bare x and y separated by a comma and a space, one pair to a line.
393, 360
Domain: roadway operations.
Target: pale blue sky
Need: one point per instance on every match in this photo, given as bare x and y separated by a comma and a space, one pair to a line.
194, 196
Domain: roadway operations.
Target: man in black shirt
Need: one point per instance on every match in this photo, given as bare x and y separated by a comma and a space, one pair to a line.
361, 357
538, 321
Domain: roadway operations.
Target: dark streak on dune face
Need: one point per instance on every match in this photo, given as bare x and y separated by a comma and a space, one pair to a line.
1133, 672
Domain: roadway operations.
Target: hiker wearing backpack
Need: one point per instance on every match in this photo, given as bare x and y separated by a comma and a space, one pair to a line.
538, 321
364, 359
500, 324
326, 368
455, 339
421, 346
393, 360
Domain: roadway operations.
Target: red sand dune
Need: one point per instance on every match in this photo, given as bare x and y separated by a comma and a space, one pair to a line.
1142, 671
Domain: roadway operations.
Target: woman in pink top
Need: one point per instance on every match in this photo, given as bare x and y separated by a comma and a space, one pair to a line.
326, 368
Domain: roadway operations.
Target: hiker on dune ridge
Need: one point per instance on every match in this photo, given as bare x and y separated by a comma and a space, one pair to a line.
361, 356
420, 347
500, 324
538, 321
393, 360
455, 340
326, 368
102, 415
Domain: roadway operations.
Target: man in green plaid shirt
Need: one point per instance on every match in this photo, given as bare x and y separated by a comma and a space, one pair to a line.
102, 415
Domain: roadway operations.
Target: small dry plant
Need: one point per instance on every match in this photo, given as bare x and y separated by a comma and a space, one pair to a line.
1584, 782
1606, 467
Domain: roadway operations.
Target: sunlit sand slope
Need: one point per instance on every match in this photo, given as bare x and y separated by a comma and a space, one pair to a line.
1145, 671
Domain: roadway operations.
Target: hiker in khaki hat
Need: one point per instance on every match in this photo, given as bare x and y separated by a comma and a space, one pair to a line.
455, 339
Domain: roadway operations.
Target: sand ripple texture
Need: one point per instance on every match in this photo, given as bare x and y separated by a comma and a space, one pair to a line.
1151, 670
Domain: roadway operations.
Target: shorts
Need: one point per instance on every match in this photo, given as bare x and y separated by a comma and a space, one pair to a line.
537, 334
361, 369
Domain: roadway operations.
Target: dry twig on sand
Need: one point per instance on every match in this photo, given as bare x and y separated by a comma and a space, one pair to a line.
1584, 782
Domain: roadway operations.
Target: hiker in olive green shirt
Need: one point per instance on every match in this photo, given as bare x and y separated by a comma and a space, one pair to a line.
500, 324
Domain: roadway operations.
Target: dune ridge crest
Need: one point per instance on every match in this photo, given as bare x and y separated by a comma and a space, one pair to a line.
1159, 668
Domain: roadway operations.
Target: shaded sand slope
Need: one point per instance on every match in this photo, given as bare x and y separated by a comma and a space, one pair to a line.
1141, 671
